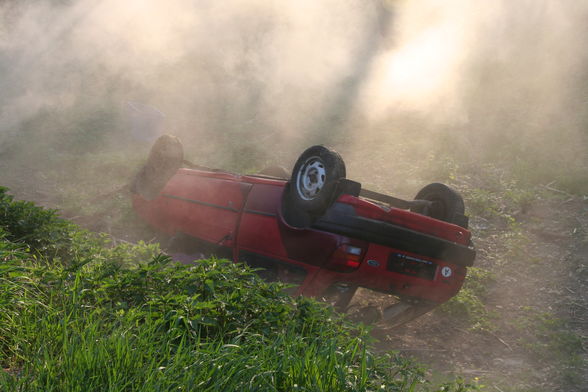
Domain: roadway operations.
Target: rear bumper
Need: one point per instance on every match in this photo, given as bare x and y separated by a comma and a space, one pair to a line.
342, 219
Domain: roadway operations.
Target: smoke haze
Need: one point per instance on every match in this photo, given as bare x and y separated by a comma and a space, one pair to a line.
490, 97
475, 80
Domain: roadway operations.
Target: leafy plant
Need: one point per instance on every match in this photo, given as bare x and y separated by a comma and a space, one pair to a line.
86, 315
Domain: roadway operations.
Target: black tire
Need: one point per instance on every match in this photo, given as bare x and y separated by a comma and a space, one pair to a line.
315, 179
447, 204
165, 158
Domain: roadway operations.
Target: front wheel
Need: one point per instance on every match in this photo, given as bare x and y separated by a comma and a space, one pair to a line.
165, 158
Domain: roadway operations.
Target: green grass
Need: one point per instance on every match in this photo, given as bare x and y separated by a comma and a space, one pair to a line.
468, 305
552, 340
77, 314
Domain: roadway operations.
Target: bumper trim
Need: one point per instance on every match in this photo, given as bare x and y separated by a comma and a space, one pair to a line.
341, 219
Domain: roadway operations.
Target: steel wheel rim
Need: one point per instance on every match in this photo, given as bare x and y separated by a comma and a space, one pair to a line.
311, 178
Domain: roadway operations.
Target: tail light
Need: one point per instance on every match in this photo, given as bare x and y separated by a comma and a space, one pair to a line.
347, 258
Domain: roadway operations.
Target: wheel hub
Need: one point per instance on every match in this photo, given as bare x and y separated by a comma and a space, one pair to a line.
311, 178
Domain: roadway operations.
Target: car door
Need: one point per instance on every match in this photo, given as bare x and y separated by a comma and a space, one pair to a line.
264, 241
205, 205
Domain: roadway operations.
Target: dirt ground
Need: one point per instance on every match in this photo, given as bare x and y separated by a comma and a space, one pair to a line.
535, 336
534, 304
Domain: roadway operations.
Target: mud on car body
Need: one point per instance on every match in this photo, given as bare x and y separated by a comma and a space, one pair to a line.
315, 229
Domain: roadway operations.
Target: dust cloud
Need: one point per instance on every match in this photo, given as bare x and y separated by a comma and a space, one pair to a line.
257, 81
496, 81
225, 72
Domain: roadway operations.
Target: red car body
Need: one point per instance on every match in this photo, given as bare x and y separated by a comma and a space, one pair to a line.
357, 242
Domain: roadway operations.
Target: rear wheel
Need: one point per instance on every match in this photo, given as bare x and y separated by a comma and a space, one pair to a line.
315, 178
446, 204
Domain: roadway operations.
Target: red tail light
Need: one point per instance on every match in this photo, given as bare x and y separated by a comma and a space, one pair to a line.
347, 258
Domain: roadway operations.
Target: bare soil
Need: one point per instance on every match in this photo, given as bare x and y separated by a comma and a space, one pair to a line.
538, 300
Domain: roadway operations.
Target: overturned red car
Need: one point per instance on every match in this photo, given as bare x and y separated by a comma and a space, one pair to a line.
313, 228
